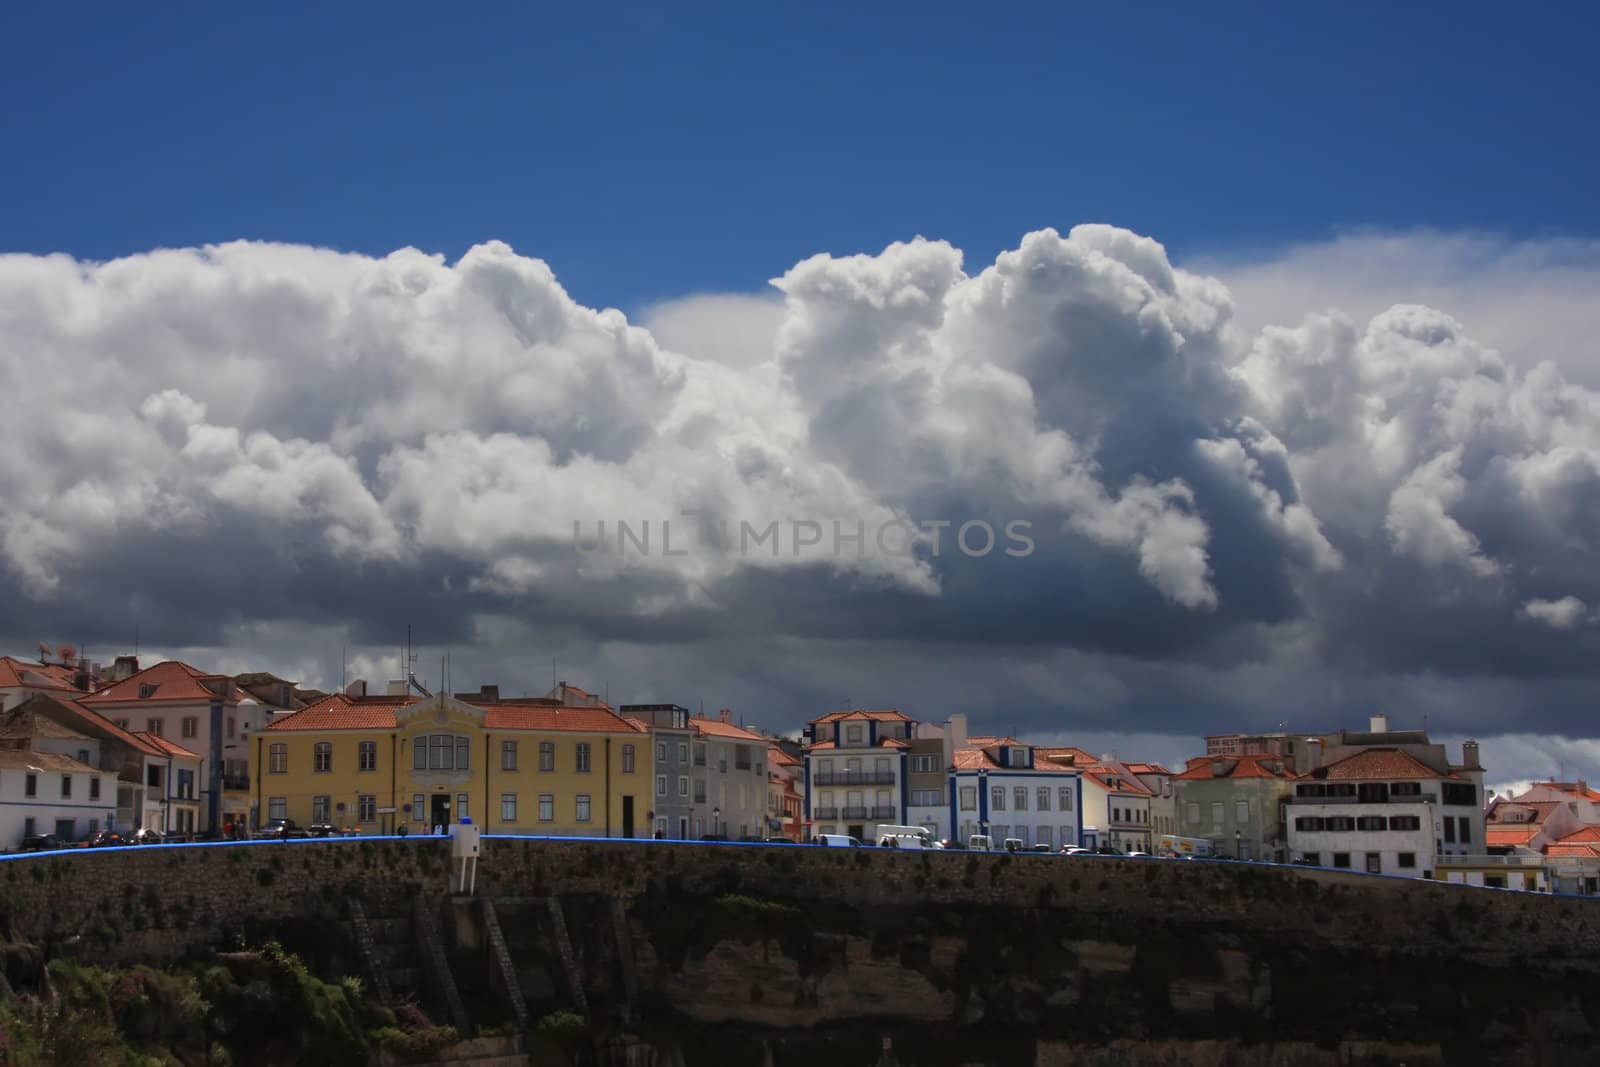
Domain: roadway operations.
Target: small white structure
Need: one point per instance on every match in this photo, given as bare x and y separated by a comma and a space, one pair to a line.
46, 793
464, 847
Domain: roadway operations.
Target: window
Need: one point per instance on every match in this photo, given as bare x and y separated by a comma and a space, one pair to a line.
627, 759
508, 755
1340, 823
83, 755
923, 764
122, 724
322, 758
1044, 798
368, 760
661, 752
1044, 835
278, 758
969, 798
1341, 859
1374, 863
853, 734
997, 798
461, 806
1459, 794
320, 808
366, 808
547, 755
186, 785
419, 808
1372, 822
1449, 830
683, 786
661, 785
441, 752
66, 785
1404, 822
94, 788
1408, 859
191, 725
547, 807
232, 725
1064, 795
583, 807
1020, 794
926, 798
1308, 823
1216, 816
277, 807
1466, 831
508, 807
1241, 811
583, 757
1405, 789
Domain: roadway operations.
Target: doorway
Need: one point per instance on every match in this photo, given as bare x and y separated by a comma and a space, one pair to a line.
683, 828
627, 816
438, 811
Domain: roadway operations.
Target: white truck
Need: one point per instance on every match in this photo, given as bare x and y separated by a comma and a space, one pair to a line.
1183, 847
906, 837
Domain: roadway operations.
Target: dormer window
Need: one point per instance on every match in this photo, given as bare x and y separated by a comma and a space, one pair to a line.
853, 734
146, 691
1017, 756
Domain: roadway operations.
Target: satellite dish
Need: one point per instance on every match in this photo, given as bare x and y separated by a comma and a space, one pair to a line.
67, 653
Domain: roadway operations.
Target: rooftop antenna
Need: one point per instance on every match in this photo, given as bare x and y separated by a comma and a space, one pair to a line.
344, 667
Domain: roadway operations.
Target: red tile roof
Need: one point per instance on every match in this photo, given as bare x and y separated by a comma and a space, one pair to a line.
1200, 768
979, 759
1146, 768
882, 742
85, 718
888, 715
777, 757
1376, 764
13, 674
1103, 776
1510, 835
1522, 812
1585, 835
173, 681
167, 748
1577, 789
718, 728
26, 759
1573, 851
340, 712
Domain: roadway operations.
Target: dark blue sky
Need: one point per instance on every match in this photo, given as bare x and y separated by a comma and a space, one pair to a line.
646, 154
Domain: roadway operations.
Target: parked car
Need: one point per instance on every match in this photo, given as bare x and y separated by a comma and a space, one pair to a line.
837, 841
980, 843
322, 829
147, 836
1039, 848
284, 828
106, 839
41, 843
1138, 855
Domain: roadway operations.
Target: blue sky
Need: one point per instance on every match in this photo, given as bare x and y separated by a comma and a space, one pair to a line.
647, 155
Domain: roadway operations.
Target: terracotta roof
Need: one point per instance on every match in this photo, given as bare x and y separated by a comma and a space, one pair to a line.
1062, 753
1539, 809
978, 759
1103, 776
1146, 768
1375, 764
718, 728
1200, 767
20, 674
1577, 789
1510, 835
26, 760
97, 725
888, 715
340, 712
777, 757
173, 680
29, 724
167, 748
1571, 852
882, 742
1585, 835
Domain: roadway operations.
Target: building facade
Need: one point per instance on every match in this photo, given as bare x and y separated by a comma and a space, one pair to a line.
1007, 790
671, 742
729, 778
1237, 803
47, 793
855, 771
517, 766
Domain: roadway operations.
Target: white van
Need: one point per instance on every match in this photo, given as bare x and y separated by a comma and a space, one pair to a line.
918, 837
980, 843
837, 841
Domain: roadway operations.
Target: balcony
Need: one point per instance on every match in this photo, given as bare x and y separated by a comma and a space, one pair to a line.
883, 812
853, 778
1424, 798
824, 813
1489, 861
236, 781
856, 813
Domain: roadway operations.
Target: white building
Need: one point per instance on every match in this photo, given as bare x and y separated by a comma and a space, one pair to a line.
855, 771
1003, 788
47, 793
1387, 803
728, 779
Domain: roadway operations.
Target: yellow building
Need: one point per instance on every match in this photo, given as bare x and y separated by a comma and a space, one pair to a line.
535, 765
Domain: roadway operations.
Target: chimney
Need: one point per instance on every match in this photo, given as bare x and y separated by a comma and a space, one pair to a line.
1469, 755
1380, 724
357, 688
726, 715
124, 667
955, 737
1313, 753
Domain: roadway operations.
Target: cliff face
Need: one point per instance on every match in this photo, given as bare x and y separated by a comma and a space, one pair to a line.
726, 955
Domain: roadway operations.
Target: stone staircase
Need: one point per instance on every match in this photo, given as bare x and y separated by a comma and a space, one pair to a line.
503, 962
376, 969
569, 959
436, 965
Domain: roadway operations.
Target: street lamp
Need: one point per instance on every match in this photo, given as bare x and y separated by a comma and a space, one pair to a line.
1237, 846
716, 822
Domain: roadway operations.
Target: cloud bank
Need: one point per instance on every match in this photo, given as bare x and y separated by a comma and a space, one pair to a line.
1240, 507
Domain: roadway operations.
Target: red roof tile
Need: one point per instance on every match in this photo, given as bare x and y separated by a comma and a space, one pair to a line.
577, 720
173, 681
1585, 835
887, 715
340, 712
84, 718
1577, 789
1201, 768
1574, 851
718, 728
777, 757
1510, 835
167, 748
1376, 764
15, 674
